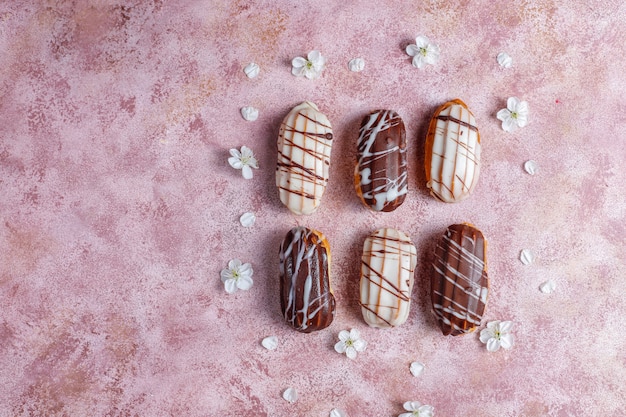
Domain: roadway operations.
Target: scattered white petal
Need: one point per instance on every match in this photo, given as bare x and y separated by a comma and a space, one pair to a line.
290, 395
417, 409
504, 60
527, 257
311, 67
270, 342
243, 160
336, 412
515, 115
423, 52
548, 287
531, 167
417, 368
247, 219
356, 64
250, 113
350, 343
237, 276
252, 70
497, 335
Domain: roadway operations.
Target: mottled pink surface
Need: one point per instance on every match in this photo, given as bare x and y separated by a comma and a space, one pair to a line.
119, 209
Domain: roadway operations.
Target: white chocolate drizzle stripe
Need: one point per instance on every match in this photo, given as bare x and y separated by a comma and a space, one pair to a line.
311, 307
390, 189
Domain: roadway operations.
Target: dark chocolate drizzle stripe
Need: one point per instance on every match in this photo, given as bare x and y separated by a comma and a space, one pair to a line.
455, 120
288, 166
384, 283
459, 281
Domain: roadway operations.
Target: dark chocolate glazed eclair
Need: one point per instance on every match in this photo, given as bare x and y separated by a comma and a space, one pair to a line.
380, 174
306, 298
459, 282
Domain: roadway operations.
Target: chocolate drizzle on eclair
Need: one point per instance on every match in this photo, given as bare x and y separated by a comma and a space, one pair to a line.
306, 298
459, 282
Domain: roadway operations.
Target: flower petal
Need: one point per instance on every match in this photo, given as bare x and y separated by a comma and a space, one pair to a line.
235, 162
493, 345
412, 50
485, 335
253, 163
422, 41
336, 412
235, 153
246, 270
298, 71
512, 103
416, 368
418, 61
244, 283
506, 326
503, 114
340, 347
426, 411
226, 274
509, 125
351, 352
298, 62
290, 395
246, 171
359, 345
506, 341
234, 264
355, 334
230, 285
270, 342
344, 335
411, 405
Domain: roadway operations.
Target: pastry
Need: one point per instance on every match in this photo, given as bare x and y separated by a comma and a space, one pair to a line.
459, 282
452, 155
380, 175
305, 140
387, 266
306, 298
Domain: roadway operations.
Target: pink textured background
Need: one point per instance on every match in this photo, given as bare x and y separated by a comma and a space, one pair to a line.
118, 207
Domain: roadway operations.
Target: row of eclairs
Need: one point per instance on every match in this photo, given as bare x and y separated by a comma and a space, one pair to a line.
458, 278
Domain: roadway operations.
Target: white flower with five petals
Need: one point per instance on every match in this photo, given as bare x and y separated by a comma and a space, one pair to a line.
310, 67
244, 161
417, 410
350, 343
515, 115
497, 335
237, 276
423, 52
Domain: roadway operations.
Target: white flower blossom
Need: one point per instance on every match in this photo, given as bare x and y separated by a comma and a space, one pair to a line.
350, 343
515, 115
237, 276
417, 410
244, 161
310, 67
497, 335
423, 52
